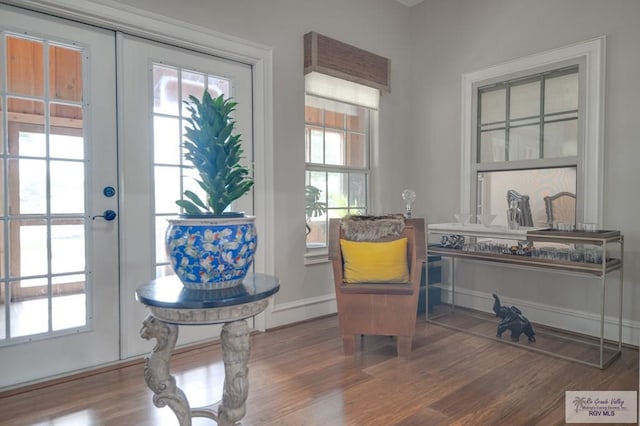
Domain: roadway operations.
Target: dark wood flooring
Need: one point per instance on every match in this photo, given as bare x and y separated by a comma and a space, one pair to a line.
299, 376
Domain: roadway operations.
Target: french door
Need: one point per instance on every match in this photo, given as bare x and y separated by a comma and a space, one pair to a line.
154, 80
58, 254
90, 168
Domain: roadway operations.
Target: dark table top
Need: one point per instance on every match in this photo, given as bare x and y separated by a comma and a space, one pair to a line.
168, 292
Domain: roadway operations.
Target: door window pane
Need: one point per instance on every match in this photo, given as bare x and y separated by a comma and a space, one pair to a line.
166, 136
25, 69
29, 194
45, 185
65, 74
67, 187
172, 85
67, 246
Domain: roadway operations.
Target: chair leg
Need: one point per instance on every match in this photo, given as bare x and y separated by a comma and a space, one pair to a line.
404, 345
349, 344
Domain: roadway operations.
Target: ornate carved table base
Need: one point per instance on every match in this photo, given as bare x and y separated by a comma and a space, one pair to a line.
171, 306
236, 348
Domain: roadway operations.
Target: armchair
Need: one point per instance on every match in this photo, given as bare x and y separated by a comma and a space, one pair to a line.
381, 303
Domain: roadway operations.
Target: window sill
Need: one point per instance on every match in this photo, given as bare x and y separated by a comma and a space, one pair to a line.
316, 256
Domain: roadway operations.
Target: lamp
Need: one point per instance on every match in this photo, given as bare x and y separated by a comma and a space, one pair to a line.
409, 196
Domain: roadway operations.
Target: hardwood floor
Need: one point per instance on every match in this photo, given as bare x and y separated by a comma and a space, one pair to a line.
298, 376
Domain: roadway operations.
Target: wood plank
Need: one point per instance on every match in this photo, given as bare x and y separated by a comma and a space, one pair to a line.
299, 375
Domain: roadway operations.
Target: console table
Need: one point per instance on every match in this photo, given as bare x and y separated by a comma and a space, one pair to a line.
581, 252
171, 305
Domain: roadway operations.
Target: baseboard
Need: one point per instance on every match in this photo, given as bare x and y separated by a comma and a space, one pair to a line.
301, 310
567, 319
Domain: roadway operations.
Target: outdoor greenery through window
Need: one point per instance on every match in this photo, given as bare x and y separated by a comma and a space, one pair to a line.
527, 141
337, 145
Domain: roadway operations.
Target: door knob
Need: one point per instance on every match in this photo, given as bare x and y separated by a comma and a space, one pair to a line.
108, 215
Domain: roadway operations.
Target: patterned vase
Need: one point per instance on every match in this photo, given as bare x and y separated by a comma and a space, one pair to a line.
211, 253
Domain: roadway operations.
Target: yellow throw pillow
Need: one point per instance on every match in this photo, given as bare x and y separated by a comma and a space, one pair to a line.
375, 262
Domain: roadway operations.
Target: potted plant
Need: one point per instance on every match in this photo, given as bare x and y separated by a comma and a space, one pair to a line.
313, 206
208, 247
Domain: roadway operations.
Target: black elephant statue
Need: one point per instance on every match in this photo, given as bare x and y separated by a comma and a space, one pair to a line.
512, 319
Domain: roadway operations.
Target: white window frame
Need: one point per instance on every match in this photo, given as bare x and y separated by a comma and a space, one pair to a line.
342, 91
591, 53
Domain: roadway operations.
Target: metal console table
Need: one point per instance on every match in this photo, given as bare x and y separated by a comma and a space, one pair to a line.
608, 351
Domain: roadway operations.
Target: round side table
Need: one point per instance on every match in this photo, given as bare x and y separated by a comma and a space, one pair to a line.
171, 305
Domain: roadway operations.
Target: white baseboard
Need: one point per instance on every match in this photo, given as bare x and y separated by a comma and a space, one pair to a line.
567, 319
300, 310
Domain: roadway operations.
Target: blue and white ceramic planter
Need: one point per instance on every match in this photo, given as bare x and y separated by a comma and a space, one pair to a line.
211, 253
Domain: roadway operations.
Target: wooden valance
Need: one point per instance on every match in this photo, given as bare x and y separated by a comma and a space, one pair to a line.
337, 59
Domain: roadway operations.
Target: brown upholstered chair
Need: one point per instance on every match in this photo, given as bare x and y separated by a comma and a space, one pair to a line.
379, 308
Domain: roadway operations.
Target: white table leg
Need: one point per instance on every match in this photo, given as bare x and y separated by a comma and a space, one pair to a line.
236, 348
156, 370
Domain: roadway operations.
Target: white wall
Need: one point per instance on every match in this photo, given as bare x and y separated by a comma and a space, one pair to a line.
452, 37
380, 26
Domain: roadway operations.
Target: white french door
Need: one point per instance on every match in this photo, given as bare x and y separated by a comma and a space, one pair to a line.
154, 79
58, 259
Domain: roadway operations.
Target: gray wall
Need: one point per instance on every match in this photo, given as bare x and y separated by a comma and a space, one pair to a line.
453, 37
380, 26
431, 45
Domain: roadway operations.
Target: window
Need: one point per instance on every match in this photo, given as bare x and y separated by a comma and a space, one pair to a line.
521, 124
340, 124
534, 125
171, 86
337, 146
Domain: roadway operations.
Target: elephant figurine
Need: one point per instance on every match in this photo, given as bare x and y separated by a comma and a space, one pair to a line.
512, 319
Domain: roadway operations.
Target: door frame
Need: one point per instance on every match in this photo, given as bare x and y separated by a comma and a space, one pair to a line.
170, 31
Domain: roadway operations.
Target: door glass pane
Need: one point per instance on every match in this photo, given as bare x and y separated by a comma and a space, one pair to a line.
31, 144
167, 188
525, 100
45, 185
69, 306
561, 93
171, 86
29, 315
561, 139
67, 187
192, 85
166, 134
28, 188
67, 238
524, 143
25, 70
65, 73
28, 255
66, 146
165, 90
